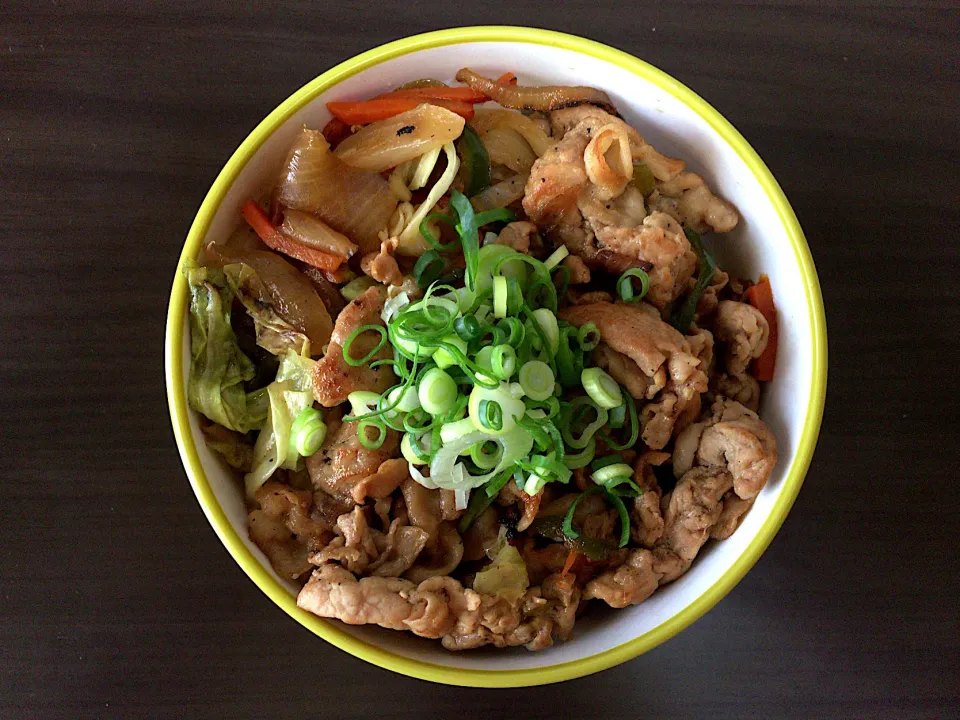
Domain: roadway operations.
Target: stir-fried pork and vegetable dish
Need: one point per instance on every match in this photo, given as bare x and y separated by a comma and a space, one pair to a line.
477, 368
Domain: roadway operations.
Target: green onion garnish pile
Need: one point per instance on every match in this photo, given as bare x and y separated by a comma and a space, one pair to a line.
492, 386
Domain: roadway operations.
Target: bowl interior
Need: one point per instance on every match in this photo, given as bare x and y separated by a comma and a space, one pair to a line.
761, 243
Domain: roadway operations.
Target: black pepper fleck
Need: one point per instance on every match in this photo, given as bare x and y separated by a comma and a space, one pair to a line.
405, 130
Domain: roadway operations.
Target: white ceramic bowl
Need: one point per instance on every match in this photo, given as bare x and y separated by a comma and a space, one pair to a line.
768, 239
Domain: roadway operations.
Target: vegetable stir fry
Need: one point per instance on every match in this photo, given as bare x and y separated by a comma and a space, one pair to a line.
476, 365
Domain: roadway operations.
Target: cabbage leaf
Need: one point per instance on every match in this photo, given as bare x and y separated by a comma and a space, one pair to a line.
289, 395
218, 368
506, 576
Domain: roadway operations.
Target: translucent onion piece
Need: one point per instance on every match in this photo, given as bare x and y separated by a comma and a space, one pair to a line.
506, 147
487, 119
356, 202
310, 230
283, 287
387, 143
502, 194
608, 161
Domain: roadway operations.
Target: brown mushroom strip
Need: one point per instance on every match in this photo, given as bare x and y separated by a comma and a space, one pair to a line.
544, 97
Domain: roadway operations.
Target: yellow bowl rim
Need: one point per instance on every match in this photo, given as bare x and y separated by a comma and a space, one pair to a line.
330, 631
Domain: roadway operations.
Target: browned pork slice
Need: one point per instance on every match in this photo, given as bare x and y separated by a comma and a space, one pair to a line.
333, 377
286, 528
444, 547
693, 508
744, 333
518, 236
662, 167
646, 524
614, 233
626, 372
365, 550
440, 607
687, 199
731, 515
638, 332
661, 353
743, 388
629, 584
733, 438
346, 469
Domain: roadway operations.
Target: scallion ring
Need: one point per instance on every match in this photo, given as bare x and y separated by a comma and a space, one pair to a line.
308, 432
353, 336
625, 285
601, 388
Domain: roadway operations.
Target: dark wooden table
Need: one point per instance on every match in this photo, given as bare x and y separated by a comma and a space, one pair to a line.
117, 598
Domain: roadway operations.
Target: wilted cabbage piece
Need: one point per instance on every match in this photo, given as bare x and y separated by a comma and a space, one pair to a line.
218, 368
506, 576
288, 395
274, 334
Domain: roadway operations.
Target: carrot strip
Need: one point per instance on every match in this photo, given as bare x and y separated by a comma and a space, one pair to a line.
368, 111
275, 240
761, 297
571, 559
463, 94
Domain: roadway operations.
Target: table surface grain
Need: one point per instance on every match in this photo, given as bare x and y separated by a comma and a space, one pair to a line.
117, 598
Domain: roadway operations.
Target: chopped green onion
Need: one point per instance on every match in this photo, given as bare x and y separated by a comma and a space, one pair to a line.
503, 361
625, 285
588, 337
353, 336
634, 427
500, 260
584, 403
307, 432
537, 380
444, 356
582, 458
357, 287
474, 162
567, 525
506, 296
410, 447
486, 459
485, 357
601, 388
437, 392
618, 416
431, 238
513, 329
428, 268
567, 372
403, 398
479, 502
684, 314
543, 294
608, 473
508, 404
365, 440
490, 415
496, 485
549, 408
456, 430
467, 327
643, 178
548, 323
624, 517
605, 461
556, 257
